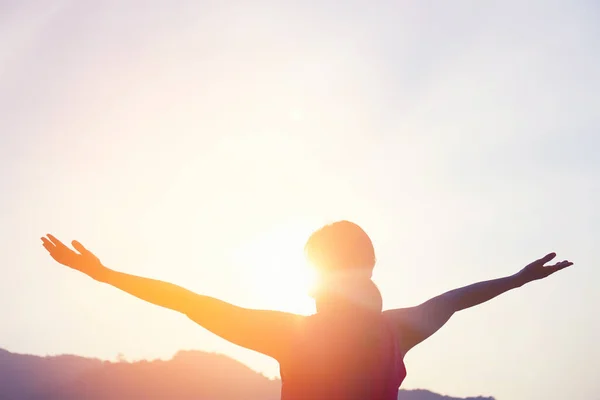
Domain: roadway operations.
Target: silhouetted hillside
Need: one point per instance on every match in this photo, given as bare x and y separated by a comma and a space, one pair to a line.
188, 375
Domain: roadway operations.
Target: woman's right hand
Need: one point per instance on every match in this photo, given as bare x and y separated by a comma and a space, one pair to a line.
83, 260
538, 270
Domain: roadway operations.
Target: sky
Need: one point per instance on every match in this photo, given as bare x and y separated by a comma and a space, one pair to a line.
201, 142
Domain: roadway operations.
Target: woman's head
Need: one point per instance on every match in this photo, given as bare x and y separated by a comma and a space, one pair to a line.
343, 257
342, 247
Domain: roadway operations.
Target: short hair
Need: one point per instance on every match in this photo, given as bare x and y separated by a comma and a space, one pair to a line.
339, 247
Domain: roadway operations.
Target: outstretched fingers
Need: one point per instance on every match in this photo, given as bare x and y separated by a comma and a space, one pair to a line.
548, 257
48, 245
56, 242
80, 248
560, 265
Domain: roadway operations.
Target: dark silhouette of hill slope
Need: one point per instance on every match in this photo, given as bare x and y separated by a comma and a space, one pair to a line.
188, 375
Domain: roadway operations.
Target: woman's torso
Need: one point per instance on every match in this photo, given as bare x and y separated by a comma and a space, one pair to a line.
351, 356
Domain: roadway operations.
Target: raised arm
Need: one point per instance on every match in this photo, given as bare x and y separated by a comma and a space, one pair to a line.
268, 332
416, 324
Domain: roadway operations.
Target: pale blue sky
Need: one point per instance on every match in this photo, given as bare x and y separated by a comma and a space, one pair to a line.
178, 140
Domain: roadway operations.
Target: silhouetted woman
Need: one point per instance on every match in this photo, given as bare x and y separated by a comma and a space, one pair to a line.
349, 349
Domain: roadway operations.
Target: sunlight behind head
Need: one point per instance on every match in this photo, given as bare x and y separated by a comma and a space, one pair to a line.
275, 271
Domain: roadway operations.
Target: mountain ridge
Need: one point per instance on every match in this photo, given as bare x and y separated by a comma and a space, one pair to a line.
189, 374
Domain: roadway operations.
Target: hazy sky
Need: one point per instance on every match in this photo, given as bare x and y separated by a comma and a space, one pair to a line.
200, 142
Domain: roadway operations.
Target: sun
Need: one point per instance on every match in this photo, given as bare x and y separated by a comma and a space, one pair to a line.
275, 271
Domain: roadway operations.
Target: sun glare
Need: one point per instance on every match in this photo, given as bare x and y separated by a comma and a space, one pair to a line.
275, 271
